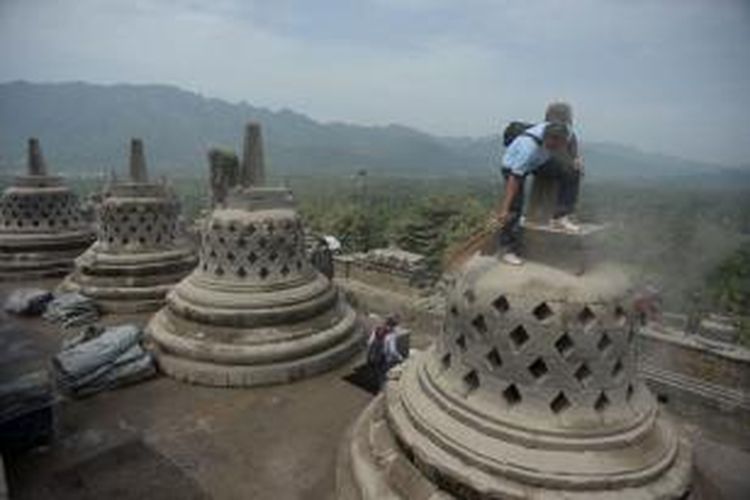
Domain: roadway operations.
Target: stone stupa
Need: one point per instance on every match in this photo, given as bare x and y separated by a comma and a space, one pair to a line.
141, 251
254, 311
42, 228
530, 391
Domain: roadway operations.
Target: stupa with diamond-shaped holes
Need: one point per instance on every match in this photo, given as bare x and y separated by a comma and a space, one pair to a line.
530, 391
254, 311
141, 251
42, 228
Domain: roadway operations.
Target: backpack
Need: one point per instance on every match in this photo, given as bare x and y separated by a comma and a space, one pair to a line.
514, 129
376, 350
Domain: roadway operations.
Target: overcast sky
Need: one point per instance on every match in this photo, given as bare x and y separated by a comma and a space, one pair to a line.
667, 76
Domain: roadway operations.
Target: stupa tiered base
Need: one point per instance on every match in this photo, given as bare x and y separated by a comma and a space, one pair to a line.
530, 392
42, 229
191, 347
124, 283
27, 256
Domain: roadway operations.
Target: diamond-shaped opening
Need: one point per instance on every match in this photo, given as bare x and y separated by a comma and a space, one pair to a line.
583, 373
494, 359
512, 395
617, 368
501, 304
629, 392
232, 228
241, 272
284, 270
262, 242
586, 316
273, 256
542, 311
252, 258
471, 381
470, 296
219, 271
461, 342
519, 336
602, 402
564, 344
241, 242
250, 229
538, 368
230, 256
446, 360
479, 324
454, 310
604, 342
560, 403
263, 273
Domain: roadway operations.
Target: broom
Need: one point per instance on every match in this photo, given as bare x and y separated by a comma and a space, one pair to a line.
474, 244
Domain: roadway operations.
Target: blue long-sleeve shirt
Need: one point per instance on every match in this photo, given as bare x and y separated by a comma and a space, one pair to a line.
525, 154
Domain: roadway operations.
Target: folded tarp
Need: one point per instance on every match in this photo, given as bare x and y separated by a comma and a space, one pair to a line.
113, 358
71, 310
27, 301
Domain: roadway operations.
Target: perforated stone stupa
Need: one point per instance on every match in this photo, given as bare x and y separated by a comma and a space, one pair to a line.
529, 391
254, 311
42, 228
140, 252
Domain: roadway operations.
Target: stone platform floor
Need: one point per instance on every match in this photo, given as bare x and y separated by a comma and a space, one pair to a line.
166, 440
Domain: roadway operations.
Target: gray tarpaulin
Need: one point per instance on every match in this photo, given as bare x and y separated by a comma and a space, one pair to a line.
27, 301
71, 310
113, 358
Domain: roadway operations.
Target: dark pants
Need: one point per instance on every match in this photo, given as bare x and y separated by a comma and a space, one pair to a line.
569, 182
510, 234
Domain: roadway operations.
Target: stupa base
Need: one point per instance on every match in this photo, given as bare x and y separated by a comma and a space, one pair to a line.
129, 283
25, 257
226, 364
376, 462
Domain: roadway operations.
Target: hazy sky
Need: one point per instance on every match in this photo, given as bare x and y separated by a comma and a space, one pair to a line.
668, 76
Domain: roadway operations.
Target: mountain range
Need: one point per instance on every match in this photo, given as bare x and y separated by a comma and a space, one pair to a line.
85, 128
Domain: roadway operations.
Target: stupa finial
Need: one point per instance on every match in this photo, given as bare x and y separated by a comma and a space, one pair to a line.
138, 172
36, 163
252, 172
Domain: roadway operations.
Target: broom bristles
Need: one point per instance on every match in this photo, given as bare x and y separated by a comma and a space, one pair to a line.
474, 244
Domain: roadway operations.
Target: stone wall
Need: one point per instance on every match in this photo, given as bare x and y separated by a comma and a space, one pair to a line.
708, 382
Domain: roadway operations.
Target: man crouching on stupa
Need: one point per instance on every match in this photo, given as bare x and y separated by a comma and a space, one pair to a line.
528, 152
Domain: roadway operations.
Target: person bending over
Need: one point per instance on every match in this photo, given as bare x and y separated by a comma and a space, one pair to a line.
528, 153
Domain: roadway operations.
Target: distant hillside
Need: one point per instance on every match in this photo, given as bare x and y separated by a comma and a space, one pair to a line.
86, 128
